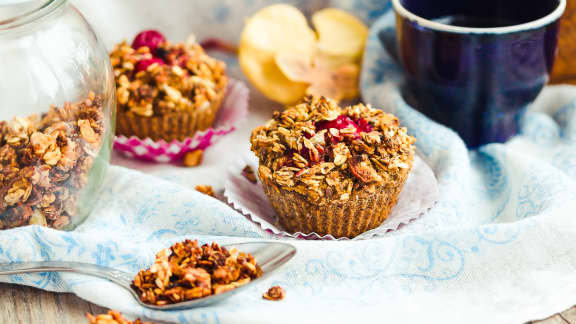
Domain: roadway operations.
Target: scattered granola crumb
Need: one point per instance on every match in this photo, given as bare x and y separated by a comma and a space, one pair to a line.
113, 317
249, 174
275, 293
193, 158
187, 271
207, 190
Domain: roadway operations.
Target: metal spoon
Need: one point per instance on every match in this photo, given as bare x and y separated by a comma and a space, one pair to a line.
269, 255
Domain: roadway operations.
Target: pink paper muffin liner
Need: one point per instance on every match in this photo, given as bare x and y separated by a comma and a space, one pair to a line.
233, 111
418, 196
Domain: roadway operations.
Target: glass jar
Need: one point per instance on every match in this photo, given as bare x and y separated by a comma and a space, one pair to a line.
57, 110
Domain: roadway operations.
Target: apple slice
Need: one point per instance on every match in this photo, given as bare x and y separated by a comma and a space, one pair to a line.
341, 36
337, 83
262, 71
274, 29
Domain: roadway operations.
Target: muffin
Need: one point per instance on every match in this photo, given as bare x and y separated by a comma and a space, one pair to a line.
332, 170
166, 91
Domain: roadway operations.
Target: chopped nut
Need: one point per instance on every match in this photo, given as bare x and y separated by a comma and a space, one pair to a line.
88, 133
361, 168
275, 293
249, 174
193, 158
207, 190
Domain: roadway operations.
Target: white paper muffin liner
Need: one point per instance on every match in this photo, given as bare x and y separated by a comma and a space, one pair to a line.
418, 195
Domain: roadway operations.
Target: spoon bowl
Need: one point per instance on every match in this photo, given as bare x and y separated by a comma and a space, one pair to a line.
270, 256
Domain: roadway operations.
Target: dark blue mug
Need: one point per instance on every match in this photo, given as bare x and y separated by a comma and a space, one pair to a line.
475, 65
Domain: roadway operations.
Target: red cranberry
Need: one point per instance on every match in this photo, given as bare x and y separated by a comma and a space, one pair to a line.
144, 64
150, 38
363, 125
341, 122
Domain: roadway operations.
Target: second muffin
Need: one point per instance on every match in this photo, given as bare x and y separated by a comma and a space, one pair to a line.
166, 91
332, 170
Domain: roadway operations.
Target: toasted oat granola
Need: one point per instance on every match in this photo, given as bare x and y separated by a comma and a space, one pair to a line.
44, 163
113, 317
326, 153
187, 271
176, 77
275, 293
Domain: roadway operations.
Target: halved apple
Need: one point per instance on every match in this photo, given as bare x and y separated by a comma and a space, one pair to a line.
337, 83
274, 29
341, 36
282, 57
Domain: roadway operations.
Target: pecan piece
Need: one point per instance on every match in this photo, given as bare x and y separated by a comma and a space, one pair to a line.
362, 169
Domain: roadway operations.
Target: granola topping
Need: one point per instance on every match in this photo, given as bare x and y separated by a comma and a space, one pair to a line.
155, 77
187, 271
326, 153
44, 163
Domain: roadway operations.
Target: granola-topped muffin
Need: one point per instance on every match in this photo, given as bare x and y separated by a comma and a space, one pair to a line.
166, 91
332, 170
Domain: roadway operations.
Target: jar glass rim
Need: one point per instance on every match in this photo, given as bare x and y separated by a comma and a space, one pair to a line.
29, 15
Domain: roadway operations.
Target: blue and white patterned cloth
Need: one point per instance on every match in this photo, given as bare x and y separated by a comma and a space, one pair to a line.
497, 248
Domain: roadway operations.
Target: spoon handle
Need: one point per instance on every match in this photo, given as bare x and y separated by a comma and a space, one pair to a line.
119, 277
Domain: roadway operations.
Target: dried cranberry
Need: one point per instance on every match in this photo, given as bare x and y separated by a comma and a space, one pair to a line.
150, 38
363, 125
341, 122
144, 64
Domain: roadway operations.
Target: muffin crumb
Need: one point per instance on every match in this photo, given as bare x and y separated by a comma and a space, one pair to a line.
194, 158
205, 189
275, 293
249, 174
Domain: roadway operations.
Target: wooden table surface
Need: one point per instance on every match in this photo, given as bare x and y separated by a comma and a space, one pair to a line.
25, 305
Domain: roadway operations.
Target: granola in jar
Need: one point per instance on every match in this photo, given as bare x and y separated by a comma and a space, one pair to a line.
166, 91
45, 161
332, 170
